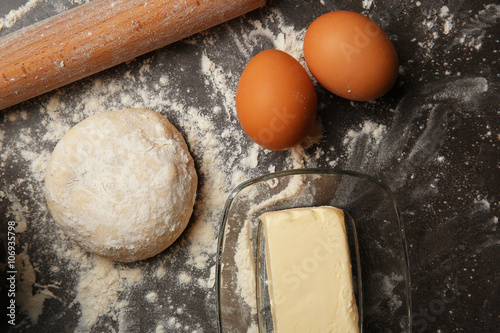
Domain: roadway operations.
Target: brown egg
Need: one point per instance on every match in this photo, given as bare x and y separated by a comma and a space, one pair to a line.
275, 100
350, 55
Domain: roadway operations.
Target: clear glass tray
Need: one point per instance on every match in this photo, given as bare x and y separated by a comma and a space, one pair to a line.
376, 239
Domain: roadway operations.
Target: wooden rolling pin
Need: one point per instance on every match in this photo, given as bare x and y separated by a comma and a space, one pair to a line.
98, 35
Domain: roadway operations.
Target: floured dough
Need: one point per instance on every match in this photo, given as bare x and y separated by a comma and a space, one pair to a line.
122, 184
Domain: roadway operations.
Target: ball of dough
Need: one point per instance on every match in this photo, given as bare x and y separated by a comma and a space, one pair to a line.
122, 184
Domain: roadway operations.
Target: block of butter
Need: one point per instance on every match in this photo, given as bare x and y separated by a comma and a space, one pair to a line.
309, 271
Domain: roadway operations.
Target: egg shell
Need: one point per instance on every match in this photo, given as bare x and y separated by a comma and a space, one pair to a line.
275, 100
350, 55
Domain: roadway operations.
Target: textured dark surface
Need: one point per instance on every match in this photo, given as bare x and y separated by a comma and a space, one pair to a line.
438, 151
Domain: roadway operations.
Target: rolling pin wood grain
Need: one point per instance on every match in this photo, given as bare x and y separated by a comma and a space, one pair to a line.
98, 35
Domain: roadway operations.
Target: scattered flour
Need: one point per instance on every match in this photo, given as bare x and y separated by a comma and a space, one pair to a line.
184, 277
254, 328
14, 15
97, 292
160, 272
374, 131
288, 39
152, 297
2, 136
32, 304
389, 283
444, 14
101, 286
225, 157
472, 33
367, 4
245, 263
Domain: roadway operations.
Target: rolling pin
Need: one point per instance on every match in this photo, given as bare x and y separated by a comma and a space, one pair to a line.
98, 35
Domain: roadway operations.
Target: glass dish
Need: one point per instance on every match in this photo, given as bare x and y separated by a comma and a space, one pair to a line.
382, 291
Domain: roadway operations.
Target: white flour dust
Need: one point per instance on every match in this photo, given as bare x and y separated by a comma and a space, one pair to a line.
100, 289
101, 286
473, 32
15, 14
439, 23
374, 132
244, 260
30, 304
367, 4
